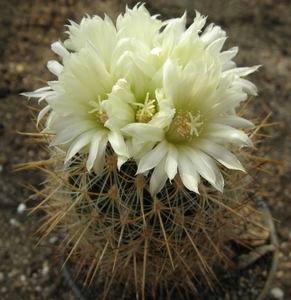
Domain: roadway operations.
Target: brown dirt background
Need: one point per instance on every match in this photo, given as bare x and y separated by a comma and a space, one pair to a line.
262, 30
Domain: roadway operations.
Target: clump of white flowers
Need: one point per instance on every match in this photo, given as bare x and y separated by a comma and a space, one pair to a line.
158, 93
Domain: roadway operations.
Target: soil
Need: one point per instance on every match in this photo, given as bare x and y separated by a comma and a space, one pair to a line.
261, 29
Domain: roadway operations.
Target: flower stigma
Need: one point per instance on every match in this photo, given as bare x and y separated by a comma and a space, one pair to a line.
146, 110
99, 111
184, 126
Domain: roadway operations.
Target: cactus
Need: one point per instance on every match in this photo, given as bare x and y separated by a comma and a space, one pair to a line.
145, 180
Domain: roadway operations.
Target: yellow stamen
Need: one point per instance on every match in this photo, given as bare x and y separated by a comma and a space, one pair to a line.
193, 124
184, 126
146, 110
99, 110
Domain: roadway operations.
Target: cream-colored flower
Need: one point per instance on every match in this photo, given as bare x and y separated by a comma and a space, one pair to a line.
155, 91
201, 130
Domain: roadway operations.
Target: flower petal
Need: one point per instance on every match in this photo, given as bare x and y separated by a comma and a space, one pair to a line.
243, 71
117, 143
100, 156
226, 56
221, 134
55, 67
171, 163
158, 177
96, 156
234, 121
188, 173
153, 157
59, 49
144, 132
42, 113
80, 142
67, 129
218, 152
205, 166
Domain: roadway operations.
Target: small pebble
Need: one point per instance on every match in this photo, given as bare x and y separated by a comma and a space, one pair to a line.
31, 153
17, 284
45, 269
53, 239
21, 208
19, 68
279, 274
38, 288
13, 222
277, 293
12, 273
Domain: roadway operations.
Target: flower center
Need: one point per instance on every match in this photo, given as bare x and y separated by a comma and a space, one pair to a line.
99, 111
146, 110
184, 126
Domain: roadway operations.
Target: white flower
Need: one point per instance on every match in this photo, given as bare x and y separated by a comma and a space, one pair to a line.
157, 92
201, 129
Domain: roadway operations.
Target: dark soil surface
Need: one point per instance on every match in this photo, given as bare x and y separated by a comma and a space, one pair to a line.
262, 30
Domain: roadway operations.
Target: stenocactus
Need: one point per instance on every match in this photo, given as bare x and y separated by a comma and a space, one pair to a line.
147, 151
